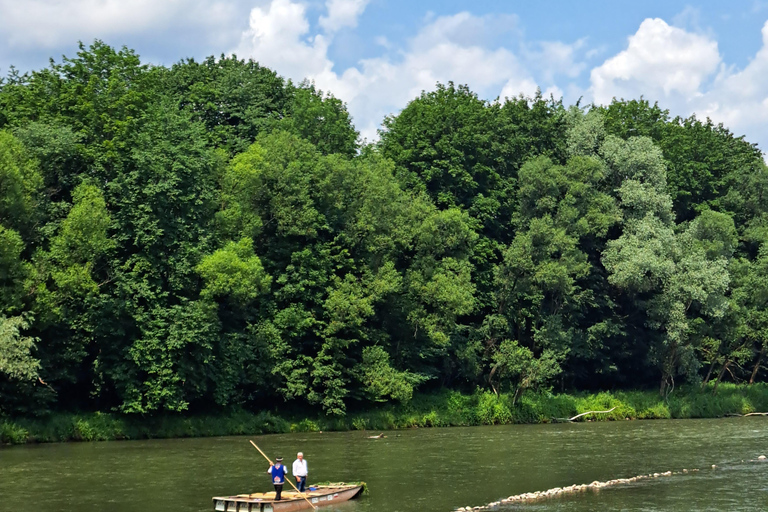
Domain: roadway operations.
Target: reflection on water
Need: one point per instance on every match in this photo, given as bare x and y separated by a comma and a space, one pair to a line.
420, 470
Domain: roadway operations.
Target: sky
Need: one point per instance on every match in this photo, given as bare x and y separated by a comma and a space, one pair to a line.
708, 58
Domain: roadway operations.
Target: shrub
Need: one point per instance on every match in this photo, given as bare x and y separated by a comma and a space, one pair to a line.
11, 433
305, 426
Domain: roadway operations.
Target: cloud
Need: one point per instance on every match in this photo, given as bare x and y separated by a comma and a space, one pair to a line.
739, 98
684, 72
661, 62
678, 64
161, 31
447, 48
486, 52
277, 38
342, 13
556, 58
689, 17
50, 23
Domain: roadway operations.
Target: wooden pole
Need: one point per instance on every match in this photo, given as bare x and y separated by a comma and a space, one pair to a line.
289, 480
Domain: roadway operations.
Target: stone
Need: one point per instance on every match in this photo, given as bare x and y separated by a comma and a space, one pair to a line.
762, 457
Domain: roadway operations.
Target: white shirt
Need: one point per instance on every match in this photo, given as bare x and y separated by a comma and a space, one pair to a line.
300, 467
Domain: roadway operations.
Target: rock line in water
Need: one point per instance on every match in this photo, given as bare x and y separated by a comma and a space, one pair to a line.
527, 497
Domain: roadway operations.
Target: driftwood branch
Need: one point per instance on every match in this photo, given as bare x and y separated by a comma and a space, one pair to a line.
583, 414
591, 412
736, 415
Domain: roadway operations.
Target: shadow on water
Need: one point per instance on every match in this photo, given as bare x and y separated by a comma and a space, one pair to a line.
422, 470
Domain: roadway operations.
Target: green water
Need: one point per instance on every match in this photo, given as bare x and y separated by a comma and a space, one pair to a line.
420, 470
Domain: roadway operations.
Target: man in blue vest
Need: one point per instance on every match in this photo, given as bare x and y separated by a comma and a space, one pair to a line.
277, 470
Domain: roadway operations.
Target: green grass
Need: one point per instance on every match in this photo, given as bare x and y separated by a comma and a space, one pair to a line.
443, 409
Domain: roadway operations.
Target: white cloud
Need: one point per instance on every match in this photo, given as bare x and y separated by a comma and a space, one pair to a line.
342, 13
554, 58
447, 48
50, 23
277, 38
677, 64
739, 98
685, 73
661, 62
689, 17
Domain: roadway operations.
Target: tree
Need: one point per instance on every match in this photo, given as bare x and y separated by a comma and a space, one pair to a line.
16, 359
518, 365
20, 186
671, 275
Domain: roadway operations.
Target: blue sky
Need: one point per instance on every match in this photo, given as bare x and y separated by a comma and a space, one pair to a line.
708, 58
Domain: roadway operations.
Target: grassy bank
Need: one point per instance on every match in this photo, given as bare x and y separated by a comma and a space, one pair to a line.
444, 409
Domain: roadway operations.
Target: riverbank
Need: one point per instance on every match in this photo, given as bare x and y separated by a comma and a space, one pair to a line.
448, 408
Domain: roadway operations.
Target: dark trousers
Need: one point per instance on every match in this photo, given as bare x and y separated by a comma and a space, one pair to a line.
278, 491
302, 483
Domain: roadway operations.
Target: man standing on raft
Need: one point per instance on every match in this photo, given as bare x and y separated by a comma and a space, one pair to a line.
300, 471
277, 470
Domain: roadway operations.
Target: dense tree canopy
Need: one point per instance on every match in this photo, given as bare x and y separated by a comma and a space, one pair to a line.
210, 235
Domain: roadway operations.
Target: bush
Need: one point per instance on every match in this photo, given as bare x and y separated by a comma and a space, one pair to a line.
10, 433
442, 409
492, 409
305, 426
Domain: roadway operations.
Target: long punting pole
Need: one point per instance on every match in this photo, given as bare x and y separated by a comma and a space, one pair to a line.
289, 480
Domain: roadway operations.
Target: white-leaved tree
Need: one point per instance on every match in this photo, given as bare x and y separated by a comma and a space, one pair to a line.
667, 270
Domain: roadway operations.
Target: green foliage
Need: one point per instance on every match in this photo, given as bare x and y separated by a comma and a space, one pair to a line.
447, 408
20, 185
382, 381
10, 433
237, 100
211, 237
234, 271
518, 364
321, 119
13, 270
16, 359
305, 425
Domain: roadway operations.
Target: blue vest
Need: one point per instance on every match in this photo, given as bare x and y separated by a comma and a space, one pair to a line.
278, 474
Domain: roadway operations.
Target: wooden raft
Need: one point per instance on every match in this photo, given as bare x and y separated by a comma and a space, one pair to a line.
291, 500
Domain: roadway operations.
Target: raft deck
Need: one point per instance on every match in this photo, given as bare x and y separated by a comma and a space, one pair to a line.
291, 500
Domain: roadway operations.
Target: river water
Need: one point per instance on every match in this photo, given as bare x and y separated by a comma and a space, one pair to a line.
420, 470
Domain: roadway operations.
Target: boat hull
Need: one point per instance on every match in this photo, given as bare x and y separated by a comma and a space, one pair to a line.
265, 502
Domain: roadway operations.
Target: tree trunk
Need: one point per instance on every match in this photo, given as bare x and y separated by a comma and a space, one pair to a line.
720, 376
490, 380
709, 374
757, 365
518, 392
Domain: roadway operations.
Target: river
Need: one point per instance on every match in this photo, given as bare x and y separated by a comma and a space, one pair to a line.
420, 470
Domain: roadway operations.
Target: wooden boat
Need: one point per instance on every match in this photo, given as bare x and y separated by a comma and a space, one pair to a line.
291, 500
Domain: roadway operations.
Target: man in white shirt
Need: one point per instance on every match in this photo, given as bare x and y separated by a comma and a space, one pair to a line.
300, 471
